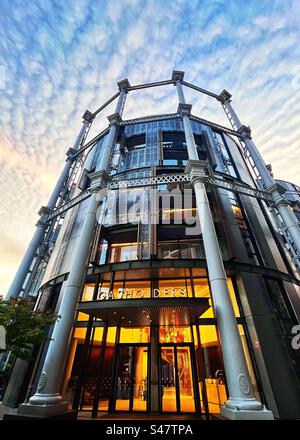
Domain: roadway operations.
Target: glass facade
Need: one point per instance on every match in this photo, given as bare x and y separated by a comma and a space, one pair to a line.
155, 329
147, 316
115, 363
118, 361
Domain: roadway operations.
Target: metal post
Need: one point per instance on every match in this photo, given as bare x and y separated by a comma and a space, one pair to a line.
19, 279
48, 400
42, 224
280, 203
241, 402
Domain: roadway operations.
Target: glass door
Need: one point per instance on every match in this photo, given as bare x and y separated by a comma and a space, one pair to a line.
131, 383
168, 379
185, 379
177, 379
140, 381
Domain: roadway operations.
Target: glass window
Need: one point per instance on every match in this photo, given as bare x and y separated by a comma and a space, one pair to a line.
82, 316
176, 249
174, 334
107, 371
213, 375
135, 335
103, 252
173, 289
138, 289
97, 335
239, 216
233, 297
119, 252
88, 291
221, 145
111, 335
80, 333
202, 290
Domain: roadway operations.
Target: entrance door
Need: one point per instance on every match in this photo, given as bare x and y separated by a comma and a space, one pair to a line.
131, 383
177, 379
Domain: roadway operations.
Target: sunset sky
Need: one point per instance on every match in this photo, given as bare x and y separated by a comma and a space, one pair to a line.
59, 58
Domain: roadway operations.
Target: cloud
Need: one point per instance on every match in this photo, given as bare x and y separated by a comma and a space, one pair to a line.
61, 58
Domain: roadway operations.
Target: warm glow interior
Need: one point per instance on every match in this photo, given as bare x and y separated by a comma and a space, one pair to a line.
135, 335
175, 368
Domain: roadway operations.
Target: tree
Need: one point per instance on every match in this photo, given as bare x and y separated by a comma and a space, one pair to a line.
24, 327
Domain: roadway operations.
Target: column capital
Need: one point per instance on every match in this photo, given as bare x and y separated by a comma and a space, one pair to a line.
276, 191
224, 96
245, 132
70, 153
43, 212
99, 179
177, 75
124, 84
196, 169
114, 119
184, 109
88, 116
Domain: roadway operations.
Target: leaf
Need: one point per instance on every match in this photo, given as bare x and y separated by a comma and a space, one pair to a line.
23, 326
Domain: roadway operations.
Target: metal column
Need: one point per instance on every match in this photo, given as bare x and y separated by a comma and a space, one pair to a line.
241, 402
48, 400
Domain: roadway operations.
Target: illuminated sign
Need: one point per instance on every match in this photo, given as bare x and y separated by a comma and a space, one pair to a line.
106, 294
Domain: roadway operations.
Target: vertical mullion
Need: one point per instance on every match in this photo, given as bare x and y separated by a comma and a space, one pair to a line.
132, 378
176, 380
101, 360
201, 360
194, 373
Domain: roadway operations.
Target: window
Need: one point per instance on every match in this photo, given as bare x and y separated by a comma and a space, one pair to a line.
135, 335
175, 154
174, 334
174, 249
239, 215
119, 252
180, 288
221, 146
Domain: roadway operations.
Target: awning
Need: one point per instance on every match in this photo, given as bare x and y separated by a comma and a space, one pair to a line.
136, 312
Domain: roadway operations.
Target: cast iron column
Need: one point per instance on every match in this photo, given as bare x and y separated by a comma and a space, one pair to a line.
241, 402
280, 203
48, 400
42, 224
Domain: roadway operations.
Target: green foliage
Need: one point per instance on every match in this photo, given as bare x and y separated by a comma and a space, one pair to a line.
23, 326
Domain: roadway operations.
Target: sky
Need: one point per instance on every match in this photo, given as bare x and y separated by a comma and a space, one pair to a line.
59, 58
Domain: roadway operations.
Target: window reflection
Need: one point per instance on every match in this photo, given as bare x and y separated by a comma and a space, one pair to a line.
212, 375
174, 334
176, 249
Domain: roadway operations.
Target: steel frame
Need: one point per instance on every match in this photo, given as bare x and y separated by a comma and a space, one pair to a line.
161, 180
210, 181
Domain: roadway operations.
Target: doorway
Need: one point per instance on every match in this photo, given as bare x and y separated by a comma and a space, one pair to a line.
177, 378
131, 379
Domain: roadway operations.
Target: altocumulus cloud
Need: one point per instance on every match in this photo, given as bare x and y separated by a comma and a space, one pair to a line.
59, 58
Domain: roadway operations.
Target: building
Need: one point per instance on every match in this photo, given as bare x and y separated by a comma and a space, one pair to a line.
172, 256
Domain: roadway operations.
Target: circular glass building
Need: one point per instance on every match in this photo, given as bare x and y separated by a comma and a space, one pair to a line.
172, 257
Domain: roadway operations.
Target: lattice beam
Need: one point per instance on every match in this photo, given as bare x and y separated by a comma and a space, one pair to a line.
161, 180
